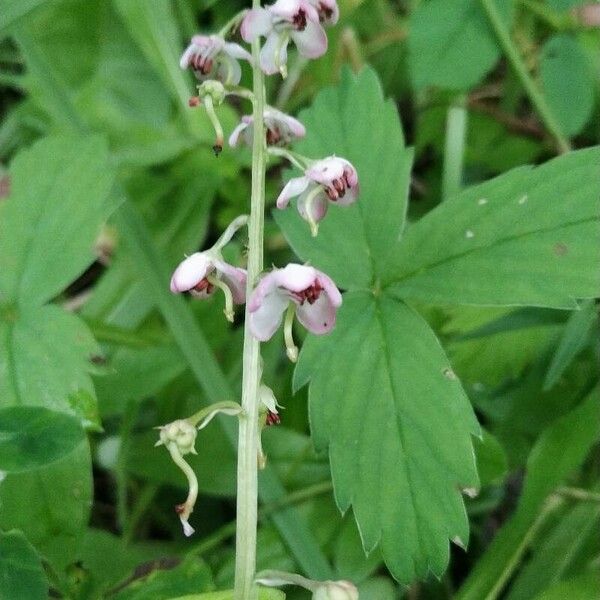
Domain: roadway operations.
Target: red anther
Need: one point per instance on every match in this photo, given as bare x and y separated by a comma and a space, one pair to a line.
339, 186
194, 101
310, 294
207, 68
273, 136
299, 20
324, 12
272, 418
203, 285
331, 193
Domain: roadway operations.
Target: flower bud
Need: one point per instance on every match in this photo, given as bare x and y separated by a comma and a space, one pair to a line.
181, 433
336, 590
214, 89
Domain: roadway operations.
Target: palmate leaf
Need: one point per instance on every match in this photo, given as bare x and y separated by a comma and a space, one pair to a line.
58, 201
398, 425
355, 122
529, 237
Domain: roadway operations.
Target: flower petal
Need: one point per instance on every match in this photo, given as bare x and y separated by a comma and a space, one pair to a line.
236, 51
268, 54
235, 278
266, 309
294, 187
349, 196
234, 138
190, 272
317, 209
228, 70
318, 317
295, 277
312, 42
256, 22
326, 170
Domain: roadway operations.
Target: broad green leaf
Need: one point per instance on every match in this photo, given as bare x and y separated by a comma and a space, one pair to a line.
529, 237
12, 11
192, 575
51, 505
492, 463
583, 587
44, 359
21, 573
31, 437
574, 339
559, 450
568, 82
398, 428
48, 225
451, 44
354, 121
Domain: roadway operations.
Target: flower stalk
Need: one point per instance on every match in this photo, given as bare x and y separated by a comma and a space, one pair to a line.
247, 467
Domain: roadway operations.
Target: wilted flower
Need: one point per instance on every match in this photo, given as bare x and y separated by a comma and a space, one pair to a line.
331, 179
202, 272
297, 289
211, 57
328, 10
297, 20
281, 129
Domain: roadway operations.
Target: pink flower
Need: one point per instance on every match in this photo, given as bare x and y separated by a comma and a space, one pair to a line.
328, 10
202, 272
328, 180
297, 20
281, 129
211, 57
298, 289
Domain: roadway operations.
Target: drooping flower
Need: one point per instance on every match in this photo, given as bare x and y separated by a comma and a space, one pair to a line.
336, 590
211, 57
281, 129
331, 179
300, 290
286, 20
328, 10
202, 272
321, 590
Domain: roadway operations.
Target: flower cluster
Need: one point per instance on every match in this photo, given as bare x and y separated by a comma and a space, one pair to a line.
281, 295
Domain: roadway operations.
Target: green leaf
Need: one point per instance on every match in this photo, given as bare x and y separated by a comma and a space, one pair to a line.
45, 358
492, 463
51, 505
21, 573
398, 427
583, 587
11, 11
58, 200
354, 121
31, 437
529, 237
451, 44
574, 339
568, 82
559, 450
192, 575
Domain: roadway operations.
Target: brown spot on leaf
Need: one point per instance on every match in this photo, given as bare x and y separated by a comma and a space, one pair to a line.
560, 249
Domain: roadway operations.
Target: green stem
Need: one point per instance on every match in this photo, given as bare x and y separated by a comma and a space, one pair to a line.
247, 471
232, 23
296, 159
535, 96
454, 148
578, 494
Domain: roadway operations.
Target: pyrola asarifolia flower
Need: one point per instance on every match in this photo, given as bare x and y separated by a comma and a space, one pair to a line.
297, 289
211, 57
336, 590
202, 272
328, 10
331, 179
281, 129
297, 20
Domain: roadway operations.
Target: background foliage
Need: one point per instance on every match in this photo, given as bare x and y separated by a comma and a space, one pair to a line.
457, 398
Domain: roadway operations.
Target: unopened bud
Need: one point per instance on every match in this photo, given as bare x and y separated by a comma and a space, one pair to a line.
181, 433
214, 89
336, 590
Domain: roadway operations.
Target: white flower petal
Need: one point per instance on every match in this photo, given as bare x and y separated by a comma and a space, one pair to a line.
318, 317
236, 51
294, 187
257, 21
234, 138
267, 317
312, 41
190, 272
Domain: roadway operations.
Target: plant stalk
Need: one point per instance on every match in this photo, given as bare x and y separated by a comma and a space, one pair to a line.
247, 471
535, 96
454, 149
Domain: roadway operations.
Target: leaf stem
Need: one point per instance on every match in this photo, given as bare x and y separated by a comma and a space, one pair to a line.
535, 96
454, 148
247, 471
